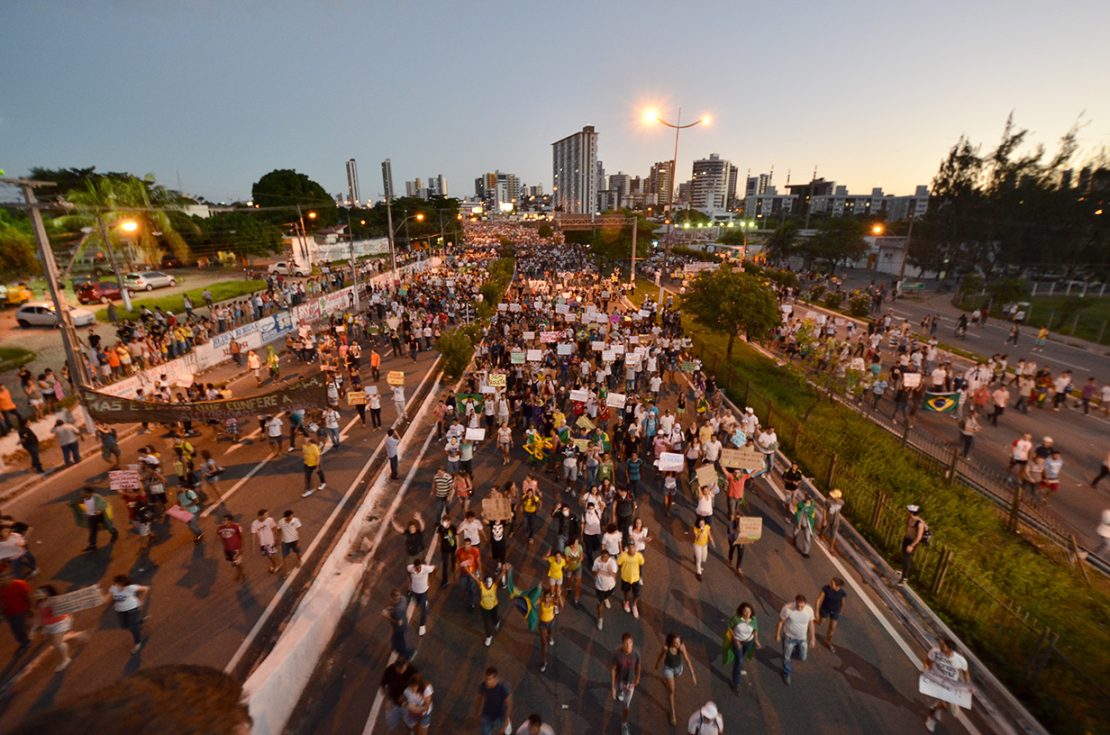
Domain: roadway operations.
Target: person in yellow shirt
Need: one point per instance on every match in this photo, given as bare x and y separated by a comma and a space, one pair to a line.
556, 562
703, 539
311, 454
548, 608
487, 600
572, 574
630, 561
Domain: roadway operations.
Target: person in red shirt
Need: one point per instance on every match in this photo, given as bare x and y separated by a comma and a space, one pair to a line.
469, 564
231, 536
15, 605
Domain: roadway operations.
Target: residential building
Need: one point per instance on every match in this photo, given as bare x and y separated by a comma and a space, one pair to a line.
497, 188
387, 179
415, 188
709, 184
437, 186
660, 183
353, 193
574, 172
621, 183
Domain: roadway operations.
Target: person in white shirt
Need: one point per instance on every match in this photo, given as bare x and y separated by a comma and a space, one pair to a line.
289, 526
706, 721
944, 662
605, 581
274, 432
418, 586
768, 442
262, 531
535, 725
127, 601
796, 631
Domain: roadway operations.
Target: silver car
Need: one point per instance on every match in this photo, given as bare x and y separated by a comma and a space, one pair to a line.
148, 280
42, 314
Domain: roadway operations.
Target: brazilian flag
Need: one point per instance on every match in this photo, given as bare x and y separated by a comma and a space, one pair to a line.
527, 602
942, 402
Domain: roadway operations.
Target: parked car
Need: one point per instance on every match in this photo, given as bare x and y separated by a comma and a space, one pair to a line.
283, 269
42, 314
16, 294
101, 292
148, 280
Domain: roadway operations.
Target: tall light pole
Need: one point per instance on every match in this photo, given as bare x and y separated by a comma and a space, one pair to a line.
651, 117
419, 217
50, 270
127, 226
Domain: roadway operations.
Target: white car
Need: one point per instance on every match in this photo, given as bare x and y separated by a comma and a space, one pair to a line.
41, 314
148, 280
282, 268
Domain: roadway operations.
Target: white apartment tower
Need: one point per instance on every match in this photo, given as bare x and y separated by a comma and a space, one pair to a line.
574, 172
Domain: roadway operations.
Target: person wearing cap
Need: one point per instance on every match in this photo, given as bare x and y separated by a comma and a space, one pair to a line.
706, 721
915, 531
830, 524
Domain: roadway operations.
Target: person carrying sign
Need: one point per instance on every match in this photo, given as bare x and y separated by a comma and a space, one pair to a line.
945, 663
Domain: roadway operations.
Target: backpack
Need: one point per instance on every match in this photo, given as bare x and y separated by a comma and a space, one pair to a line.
928, 535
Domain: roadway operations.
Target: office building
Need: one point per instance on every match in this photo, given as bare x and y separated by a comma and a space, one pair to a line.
574, 172
415, 188
387, 179
660, 184
621, 184
353, 193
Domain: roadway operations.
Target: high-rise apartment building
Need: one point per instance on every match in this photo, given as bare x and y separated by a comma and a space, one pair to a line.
574, 172
621, 184
387, 179
353, 193
437, 186
415, 188
661, 183
709, 185
496, 188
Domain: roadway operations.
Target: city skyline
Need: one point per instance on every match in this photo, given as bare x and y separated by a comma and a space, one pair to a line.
864, 122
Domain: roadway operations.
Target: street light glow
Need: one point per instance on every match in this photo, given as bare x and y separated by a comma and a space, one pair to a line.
877, 229
129, 225
706, 119
651, 116
312, 215
420, 217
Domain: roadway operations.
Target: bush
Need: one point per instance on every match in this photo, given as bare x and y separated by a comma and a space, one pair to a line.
859, 304
833, 299
456, 348
816, 291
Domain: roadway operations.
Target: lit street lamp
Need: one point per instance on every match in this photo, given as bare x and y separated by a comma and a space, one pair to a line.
651, 117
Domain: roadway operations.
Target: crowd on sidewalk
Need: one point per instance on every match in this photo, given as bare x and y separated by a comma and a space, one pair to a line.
607, 405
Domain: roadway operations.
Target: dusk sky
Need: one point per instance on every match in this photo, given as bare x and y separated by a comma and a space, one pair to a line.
218, 93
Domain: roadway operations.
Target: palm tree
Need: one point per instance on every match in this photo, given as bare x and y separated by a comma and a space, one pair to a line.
142, 201
780, 244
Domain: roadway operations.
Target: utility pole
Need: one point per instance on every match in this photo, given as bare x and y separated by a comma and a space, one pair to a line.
632, 273
354, 262
389, 225
50, 270
115, 264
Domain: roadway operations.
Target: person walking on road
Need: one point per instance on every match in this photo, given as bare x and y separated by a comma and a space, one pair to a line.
448, 545
374, 400
674, 660
210, 472
231, 537
1103, 471
706, 721
535, 725
262, 531
393, 452
631, 563
944, 662
30, 443
624, 677
495, 704
741, 641
274, 433
796, 632
396, 612
703, 539
395, 680
969, 427
109, 444
15, 605
830, 524
417, 712
548, 607
915, 532
487, 600
605, 581
127, 601
92, 511
310, 452
830, 606
418, 590
290, 527
55, 626
67, 437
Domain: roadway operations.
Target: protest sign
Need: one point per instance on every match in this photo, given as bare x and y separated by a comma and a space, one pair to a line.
670, 462
597, 345
535, 356
615, 400
497, 508
608, 355
582, 445
125, 479
744, 458
585, 423
564, 348
911, 380
475, 435
688, 366
395, 377
516, 358
356, 398
751, 529
944, 689
529, 336
497, 380
84, 598
514, 307
580, 395
707, 475
549, 337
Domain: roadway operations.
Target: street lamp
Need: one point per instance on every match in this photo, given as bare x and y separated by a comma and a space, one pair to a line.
651, 117
419, 217
877, 229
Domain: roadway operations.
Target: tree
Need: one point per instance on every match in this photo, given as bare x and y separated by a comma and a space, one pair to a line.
286, 188
729, 301
242, 233
780, 244
837, 239
141, 201
544, 230
17, 247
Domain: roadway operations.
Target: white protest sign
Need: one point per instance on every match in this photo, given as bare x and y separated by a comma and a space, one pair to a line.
564, 348
529, 336
670, 462
597, 345
911, 380
580, 395
608, 355
944, 689
475, 435
615, 400
535, 356
77, 600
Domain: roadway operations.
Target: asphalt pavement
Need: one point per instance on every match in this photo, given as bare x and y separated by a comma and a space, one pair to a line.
196, 613
868, 685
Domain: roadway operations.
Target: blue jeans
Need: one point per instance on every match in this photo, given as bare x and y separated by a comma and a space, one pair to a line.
421, 600
70, 453
334, 434
770, 459
393, 467
492, 726
132, 620
741, 650
397, 642
470, 588
790, 646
